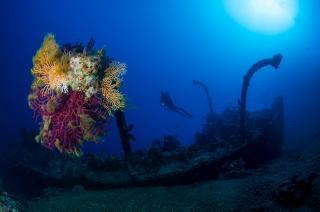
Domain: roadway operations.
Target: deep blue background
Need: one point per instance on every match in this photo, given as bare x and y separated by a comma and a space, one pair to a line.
166, 44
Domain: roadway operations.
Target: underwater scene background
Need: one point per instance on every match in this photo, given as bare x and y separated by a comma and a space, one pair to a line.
171, 51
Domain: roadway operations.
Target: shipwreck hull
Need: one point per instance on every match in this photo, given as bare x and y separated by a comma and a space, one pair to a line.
218, 146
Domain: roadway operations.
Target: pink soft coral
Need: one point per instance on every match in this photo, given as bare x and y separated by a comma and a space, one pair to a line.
65, 132
37, 102
68, 119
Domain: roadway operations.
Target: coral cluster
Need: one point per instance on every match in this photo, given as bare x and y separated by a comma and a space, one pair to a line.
74, 92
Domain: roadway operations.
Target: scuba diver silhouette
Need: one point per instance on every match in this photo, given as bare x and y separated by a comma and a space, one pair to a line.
166, 100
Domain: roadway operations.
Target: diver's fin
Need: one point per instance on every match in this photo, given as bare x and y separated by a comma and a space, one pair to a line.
184, 112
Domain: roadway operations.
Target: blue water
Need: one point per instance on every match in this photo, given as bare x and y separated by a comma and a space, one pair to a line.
166, 44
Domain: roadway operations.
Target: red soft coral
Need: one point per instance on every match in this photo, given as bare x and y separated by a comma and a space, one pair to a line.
64, 131
37, 102
68, 119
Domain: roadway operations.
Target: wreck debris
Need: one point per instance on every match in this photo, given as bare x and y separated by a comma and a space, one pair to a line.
295, 192
274, 62
205, 88
125, 133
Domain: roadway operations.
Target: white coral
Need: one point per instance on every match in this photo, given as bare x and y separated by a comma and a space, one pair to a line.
75, 64
64, 88
82, 74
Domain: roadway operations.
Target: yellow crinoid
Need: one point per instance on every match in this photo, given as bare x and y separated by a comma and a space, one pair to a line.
50, 66
112, 98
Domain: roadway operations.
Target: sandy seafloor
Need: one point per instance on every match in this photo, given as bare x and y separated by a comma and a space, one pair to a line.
251, 193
